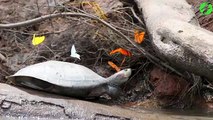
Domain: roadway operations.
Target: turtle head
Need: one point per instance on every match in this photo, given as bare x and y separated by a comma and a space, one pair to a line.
112, 84
120, 77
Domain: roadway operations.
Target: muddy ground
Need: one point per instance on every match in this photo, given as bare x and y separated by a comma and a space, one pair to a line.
94, 41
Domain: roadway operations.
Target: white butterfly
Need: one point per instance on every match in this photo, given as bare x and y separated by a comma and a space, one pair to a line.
74, 52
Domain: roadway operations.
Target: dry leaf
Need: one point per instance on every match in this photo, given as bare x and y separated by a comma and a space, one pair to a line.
95, 6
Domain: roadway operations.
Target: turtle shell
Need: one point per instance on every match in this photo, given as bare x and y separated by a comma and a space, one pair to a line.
61, 74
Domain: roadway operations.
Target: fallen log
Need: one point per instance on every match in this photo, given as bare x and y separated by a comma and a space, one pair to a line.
177, 37
31, 104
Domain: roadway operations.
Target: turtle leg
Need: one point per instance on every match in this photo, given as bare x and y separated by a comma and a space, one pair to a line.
98, 91
114, 91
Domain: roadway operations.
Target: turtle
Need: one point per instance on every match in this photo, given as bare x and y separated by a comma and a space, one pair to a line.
69, 79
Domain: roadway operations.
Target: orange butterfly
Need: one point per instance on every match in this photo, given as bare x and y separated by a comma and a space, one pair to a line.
122, 51
113, 65
139, 37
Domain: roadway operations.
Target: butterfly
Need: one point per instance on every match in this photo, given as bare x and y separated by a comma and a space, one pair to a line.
74, 52
139, 36
122, 51
37, 40
113, 65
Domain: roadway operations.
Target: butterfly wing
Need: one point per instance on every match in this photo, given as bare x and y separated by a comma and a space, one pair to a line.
139, 36
37, 40
74, 52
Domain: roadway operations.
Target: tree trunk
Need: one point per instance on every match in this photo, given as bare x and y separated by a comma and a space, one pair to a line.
30, 104
177, 36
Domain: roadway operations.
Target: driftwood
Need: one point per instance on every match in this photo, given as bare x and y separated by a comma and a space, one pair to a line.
30, 104
177, 37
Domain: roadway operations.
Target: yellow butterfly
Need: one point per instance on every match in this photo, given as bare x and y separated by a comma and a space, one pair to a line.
37, 40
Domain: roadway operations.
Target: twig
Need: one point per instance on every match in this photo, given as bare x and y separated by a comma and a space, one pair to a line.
2, 58
152, 58
135, 15
208, 87
40, 19
25, 33
37, 7
51, 22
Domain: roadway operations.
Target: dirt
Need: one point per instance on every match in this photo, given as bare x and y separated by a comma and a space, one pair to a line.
167, 85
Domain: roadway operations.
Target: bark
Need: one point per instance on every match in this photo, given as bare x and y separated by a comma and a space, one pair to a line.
177, 36
29, 104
